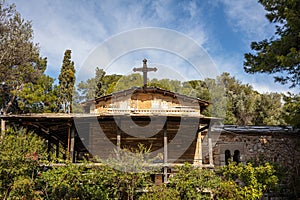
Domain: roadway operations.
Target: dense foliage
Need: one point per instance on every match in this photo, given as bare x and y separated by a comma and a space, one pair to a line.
20, 153
24, 175
228, 182
232, 100
279, 55
292, 109
24, 87
98, 86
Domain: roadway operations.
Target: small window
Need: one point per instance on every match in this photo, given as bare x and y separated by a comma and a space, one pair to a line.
236, 156
227, 157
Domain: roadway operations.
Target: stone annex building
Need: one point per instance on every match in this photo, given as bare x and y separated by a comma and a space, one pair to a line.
171, 124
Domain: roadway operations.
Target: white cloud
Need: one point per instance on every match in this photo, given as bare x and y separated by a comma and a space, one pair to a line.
192, 8
265, 83
161, 46
82, 25
247, 16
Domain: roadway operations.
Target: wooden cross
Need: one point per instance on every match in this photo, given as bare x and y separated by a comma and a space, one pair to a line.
145, 70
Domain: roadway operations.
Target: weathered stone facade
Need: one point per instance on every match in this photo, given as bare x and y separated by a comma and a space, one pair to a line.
269, 144
276, 145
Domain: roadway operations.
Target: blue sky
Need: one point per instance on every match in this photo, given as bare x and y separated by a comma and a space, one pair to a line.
223, 28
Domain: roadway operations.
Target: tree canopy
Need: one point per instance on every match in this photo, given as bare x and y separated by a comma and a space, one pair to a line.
66, 83
20, 63
279, 55
292, 109
24, 86
97, 86
232, 100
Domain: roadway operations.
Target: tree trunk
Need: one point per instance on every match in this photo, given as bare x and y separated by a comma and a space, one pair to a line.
3, 114
2, 129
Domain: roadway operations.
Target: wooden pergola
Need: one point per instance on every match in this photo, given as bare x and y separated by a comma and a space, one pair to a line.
179, 140
176, 128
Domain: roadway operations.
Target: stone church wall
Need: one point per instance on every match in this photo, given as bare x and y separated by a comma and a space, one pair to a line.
280, 147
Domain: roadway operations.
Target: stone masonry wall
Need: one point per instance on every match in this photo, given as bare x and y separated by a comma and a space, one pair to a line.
281, 148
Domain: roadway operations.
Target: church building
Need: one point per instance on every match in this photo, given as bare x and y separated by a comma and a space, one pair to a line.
172, 125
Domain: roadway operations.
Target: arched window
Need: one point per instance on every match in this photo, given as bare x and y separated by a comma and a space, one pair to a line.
236, 156
227, 157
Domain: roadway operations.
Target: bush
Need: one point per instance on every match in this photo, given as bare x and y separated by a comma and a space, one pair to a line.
160, 193
20, 153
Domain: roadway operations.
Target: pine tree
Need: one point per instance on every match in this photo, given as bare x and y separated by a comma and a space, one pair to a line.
66, 83
20, 61
278, 55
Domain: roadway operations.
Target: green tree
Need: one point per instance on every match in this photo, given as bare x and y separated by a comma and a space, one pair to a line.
167, 84
66, 83
38, 96
248, 107
20, 64
245, 105
17, 49
76, 182
18, 52
110, 82
292, 109
119, 177
160, 193
35, 95
245, 181
241, 100
98, 86
269, 110
133, 169
194, 183
99, 89
218, 100
279, 55
195, 88
126, 82
93, 87
20, 153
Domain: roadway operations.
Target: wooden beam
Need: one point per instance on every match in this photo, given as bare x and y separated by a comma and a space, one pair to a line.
69, 139
118, 137
2, 129
57, 149
131, 139
72, 145
165, 153
200, 129
198, 152
210, 150
171, 165
49, 145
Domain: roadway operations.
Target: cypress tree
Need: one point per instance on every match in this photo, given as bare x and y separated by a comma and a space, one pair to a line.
66, 83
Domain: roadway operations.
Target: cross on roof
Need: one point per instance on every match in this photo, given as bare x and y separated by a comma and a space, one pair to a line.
145, 70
